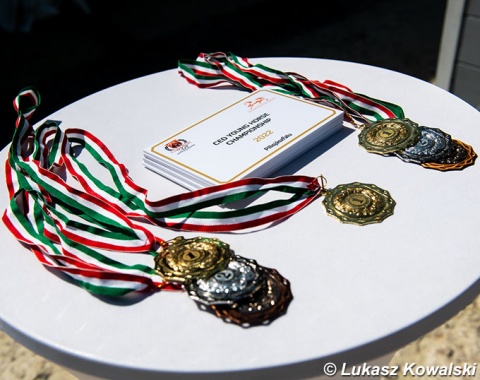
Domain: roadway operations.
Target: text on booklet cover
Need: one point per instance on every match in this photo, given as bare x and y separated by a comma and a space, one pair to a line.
252, 137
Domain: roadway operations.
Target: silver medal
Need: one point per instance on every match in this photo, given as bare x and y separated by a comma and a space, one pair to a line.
241, 278
433, 145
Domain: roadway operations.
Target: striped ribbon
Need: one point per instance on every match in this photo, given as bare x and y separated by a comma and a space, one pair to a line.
78, 222
217, 69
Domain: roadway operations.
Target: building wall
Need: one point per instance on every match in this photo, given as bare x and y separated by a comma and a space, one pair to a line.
465, 81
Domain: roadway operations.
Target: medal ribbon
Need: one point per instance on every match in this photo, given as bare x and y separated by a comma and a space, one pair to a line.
217, 69
77, 223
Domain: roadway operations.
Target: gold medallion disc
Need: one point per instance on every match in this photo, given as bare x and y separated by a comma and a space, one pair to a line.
388, 136
183, 259
358, 203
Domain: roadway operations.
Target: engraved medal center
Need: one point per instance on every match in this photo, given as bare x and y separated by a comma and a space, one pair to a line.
357, 200
225, 275
190, 255
386, 133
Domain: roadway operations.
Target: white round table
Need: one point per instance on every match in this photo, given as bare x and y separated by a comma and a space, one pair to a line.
359, 291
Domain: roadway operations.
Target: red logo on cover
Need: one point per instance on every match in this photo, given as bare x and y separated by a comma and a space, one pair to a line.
175, 145
178, 146
256, 103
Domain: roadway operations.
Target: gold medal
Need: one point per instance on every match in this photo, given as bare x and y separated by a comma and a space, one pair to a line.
388, 136
462, 155
183, 259
358, 203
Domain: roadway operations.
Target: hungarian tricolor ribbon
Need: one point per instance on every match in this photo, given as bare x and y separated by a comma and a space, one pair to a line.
384, 128
79, 222
218, 69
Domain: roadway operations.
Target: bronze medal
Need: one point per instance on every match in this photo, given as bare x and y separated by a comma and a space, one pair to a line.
183, 259
261, 308
232, 287
461, 156
388, 136
358, 203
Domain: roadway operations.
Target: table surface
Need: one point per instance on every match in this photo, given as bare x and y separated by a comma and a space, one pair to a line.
359, 291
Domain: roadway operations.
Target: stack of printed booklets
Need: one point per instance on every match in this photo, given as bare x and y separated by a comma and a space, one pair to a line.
253, 137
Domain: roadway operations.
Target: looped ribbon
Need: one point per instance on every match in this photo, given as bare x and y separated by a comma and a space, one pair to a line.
219, 69
79, 223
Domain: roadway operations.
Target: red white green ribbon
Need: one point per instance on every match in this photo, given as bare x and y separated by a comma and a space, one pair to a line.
219, 69
79, 222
